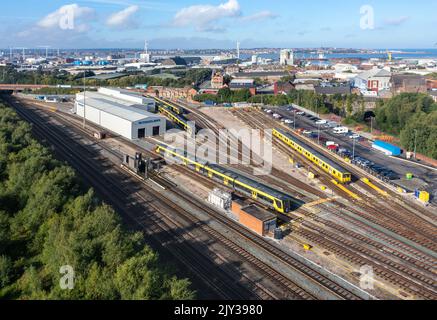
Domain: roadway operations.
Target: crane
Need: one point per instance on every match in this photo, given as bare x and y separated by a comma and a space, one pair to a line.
47, 50
390, 56
24, 52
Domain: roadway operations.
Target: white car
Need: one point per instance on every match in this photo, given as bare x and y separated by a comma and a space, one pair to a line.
307, 132
300, 113
321, 122
288, 121
269, 111
277, 116
355, 136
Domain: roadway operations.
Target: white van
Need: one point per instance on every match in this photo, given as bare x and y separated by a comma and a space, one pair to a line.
340, 130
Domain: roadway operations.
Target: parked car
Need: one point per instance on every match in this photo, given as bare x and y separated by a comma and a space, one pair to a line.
300, 113
321, 122
355, 136
288, 121
307, 132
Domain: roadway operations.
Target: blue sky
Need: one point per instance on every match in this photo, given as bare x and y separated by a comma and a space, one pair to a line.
217, 23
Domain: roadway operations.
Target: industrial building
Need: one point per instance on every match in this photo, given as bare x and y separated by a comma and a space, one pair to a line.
253, 217
121, 112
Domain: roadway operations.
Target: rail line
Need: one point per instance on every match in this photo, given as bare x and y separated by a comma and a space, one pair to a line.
308, 272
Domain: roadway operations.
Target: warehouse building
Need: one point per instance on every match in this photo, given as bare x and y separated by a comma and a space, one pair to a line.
123, 113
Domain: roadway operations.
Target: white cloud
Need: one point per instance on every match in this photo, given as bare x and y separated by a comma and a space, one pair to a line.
262, 15
396, 21
73, 11
123, 18
203, 17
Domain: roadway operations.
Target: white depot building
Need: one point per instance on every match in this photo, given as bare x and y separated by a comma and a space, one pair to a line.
121, 112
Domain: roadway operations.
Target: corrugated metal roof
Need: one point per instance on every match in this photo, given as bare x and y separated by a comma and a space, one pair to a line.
122, 109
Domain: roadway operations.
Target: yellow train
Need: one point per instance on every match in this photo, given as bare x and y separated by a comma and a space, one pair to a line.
261, 193
335, 170
176, 109
179, 120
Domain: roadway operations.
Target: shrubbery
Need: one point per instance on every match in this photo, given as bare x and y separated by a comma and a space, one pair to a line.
47, 221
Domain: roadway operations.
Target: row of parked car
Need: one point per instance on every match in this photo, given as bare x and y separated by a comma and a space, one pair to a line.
377, 170
278, 116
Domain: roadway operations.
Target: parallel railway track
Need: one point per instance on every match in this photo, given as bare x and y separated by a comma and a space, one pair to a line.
311, 274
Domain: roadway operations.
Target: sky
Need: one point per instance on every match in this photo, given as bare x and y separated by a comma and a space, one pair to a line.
209, 24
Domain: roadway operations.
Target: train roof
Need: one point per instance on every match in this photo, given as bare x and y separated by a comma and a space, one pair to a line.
232, 174
314, 152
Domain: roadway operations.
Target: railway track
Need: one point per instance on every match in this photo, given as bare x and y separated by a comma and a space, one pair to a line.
311, 274
339, 248
226, 287
414, 229
402, 276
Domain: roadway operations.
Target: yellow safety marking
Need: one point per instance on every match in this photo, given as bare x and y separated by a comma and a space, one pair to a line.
353, 195
370, 184
317, 202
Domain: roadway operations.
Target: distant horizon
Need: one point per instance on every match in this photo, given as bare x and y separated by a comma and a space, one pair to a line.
206, 24
227, 49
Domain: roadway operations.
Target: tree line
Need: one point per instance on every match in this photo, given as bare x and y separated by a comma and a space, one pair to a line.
48, 220
413, 118
183, 78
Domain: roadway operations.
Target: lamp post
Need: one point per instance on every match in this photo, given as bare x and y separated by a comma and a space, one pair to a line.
415, 143
294, 122
84, 102
353, 150
318, 133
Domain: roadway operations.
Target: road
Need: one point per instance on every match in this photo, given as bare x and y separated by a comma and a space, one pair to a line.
426, 177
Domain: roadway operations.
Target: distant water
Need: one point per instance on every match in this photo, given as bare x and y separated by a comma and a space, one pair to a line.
405, 54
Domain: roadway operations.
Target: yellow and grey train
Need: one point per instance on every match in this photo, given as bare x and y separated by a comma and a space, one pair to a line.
261, 193
335, 170
176, 109
179, 120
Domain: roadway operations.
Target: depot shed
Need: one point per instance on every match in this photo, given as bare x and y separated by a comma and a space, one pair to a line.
119, 116
254, 218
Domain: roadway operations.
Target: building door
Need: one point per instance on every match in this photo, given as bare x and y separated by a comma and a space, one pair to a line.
141, 133
156, 131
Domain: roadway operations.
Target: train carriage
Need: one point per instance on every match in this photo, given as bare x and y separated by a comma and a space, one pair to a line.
273, 199
329, 166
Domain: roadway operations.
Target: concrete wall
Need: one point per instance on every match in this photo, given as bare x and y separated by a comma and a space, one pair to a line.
106, 120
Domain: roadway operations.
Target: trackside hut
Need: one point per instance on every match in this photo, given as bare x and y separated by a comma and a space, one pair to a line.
129, 121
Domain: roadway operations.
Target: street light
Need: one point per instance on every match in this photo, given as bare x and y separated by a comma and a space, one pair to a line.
353, 150
294, 122
415, 143
318, 133
84, 104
